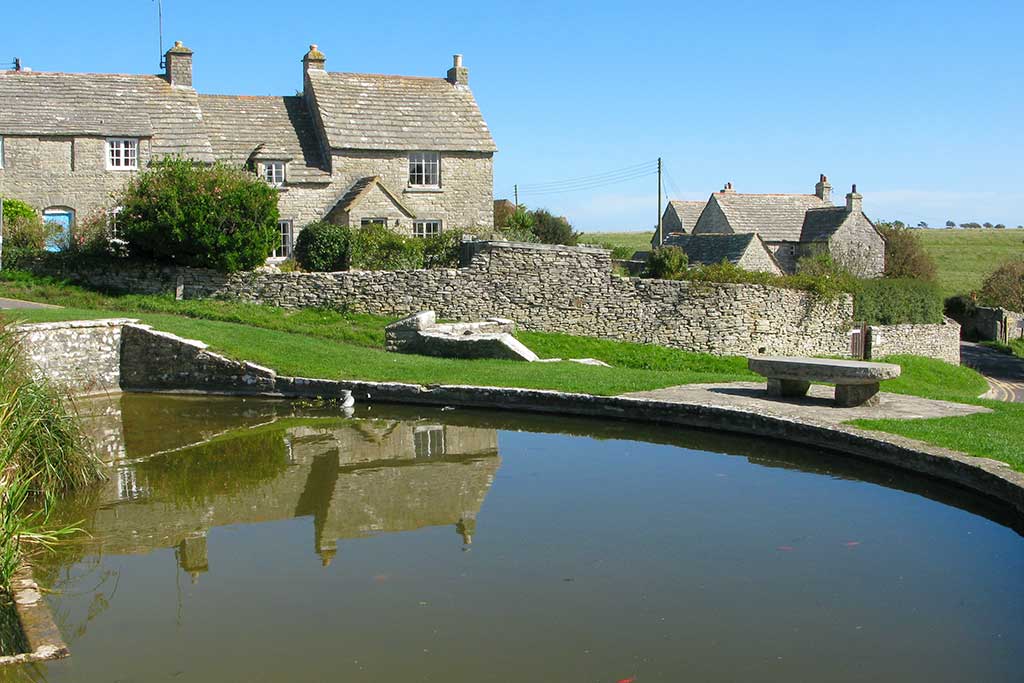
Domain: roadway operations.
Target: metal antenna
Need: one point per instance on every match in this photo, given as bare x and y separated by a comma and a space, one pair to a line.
160, 26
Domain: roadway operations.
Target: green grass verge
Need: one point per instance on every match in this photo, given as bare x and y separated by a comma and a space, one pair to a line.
344, 346
637, 241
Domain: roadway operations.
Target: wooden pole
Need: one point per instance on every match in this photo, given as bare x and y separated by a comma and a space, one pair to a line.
661, 237
515, 190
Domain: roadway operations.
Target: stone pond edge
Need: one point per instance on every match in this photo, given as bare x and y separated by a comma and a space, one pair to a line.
41, 633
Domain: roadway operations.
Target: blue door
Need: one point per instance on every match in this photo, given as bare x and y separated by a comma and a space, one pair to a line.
64, 220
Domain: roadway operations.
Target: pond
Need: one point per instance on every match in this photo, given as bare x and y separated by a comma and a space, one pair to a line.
259, 540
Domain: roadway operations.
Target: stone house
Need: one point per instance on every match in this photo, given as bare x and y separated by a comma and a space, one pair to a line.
797, 225
679, 217
413, 153
745, 250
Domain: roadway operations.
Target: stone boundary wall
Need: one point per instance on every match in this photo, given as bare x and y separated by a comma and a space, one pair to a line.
940, 341
541, 287
82, 356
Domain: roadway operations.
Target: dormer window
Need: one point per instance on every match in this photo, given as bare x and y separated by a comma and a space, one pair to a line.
425, 169
122, 154
273, 173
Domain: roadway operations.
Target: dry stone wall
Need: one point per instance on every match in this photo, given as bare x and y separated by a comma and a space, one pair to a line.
941, 341
82, 356
540, 287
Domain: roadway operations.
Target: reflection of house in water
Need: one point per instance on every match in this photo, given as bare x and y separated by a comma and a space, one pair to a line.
353, 477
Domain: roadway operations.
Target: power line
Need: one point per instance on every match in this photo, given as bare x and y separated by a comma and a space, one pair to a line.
591, 185
647, 166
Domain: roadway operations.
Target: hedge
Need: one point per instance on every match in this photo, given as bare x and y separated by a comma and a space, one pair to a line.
897, 301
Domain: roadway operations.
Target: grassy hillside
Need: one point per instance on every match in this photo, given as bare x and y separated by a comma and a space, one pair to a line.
965, 257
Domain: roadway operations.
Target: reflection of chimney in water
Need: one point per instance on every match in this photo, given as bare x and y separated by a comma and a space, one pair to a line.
327, 552
466, 527
192, 555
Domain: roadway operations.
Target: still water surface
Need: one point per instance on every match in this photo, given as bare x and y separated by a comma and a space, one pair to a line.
251, 540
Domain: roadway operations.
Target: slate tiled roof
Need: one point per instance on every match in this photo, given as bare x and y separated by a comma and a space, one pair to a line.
688, 212
241, 128
359, 189
366, 111
709, 249
820, 224
776, 217
43, 103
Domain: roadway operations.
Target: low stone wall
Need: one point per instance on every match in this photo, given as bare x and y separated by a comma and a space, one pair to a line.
940, 341
83, 356
541, 287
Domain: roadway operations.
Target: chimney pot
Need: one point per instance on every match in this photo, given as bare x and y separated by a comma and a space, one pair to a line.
458, 74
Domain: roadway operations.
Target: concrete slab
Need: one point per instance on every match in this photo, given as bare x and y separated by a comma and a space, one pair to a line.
18, 303
817, 406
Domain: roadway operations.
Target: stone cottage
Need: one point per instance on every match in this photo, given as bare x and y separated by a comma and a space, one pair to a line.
679, 217
413, 153
745, 250
796, 225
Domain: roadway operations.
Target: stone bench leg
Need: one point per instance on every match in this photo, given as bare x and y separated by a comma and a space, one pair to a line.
787, 387
850, 395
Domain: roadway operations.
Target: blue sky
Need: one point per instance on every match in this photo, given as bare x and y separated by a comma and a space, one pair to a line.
919, 103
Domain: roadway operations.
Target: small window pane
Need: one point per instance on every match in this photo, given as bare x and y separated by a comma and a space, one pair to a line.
284, 248
426, 228
425, 168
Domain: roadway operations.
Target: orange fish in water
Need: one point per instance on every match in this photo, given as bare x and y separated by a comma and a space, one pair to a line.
785, 548
852, 544
626, 680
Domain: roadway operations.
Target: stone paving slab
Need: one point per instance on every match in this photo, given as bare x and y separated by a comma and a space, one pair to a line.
818, 405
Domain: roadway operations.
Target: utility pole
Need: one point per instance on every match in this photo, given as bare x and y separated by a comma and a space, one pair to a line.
515, 191
661, 237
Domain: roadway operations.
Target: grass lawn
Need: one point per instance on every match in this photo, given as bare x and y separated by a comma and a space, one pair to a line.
329, 344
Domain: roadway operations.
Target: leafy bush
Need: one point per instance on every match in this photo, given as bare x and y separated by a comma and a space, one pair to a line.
520, 226
892, 302
15, 209
667, 263
205, 216
442, 251
323, 246
91, 236
960, 307
503, 211
1005, 287
905, 256
621, 252
25, 233
551, 229
374, 247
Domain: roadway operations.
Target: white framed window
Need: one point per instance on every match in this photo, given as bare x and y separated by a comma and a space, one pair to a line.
122, 154
425, 169
426, 228
284, 245
428, 441
1, 151
273, 173
373, 221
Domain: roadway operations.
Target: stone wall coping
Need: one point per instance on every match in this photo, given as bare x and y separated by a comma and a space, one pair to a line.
37, 625
195, 343
76, 324
532, 246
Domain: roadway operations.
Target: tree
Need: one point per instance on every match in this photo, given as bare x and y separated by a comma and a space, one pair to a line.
551, 229
666, 263
905, 256
950, 224
971, 226
986, 225
188, 214
503, 210
520, 226
999, 226
922, 224
1005, 287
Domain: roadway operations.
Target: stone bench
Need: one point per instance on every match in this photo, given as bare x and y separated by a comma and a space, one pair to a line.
856, 381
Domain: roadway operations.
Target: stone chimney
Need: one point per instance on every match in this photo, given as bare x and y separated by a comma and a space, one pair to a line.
314, 59
728, 188
178, 62
854, 201
823, 189
458, 74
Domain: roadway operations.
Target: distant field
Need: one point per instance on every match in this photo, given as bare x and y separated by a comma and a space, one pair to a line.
638, 241
964, 257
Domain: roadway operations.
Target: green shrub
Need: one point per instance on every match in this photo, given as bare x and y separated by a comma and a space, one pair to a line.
323, 246
551, 229
520, 226
442, 251
892, 302
374, 247
960, 307
1005, 287
905, 256
205, 216
15, 209
667, 263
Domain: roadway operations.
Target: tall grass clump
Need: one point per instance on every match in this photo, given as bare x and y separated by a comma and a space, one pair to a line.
42, 455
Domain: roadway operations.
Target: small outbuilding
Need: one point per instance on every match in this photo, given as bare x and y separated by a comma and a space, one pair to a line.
745, 250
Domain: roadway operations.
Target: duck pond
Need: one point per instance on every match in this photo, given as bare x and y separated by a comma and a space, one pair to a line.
261, 540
